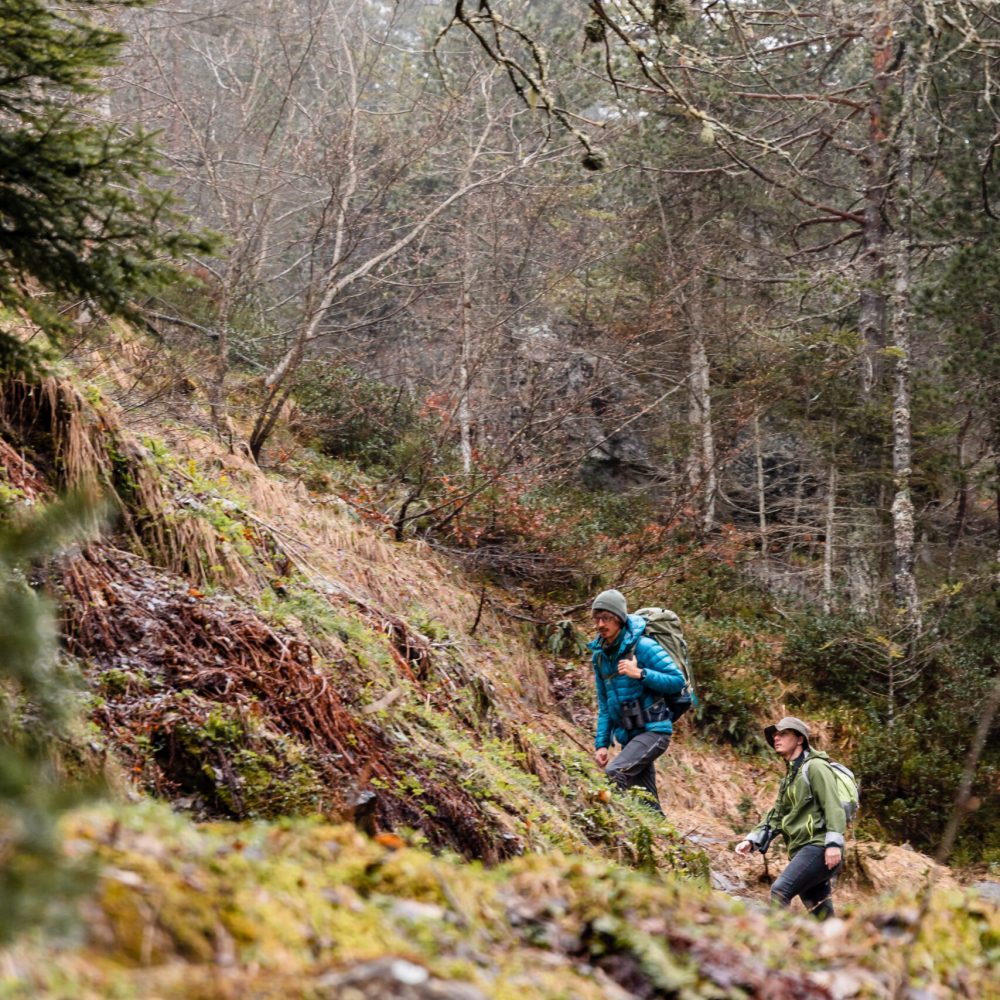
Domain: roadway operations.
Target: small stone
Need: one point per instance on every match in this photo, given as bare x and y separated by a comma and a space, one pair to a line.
842, 985
409, 909
834, 927
123, 877
392, 977
725, 884
408, 973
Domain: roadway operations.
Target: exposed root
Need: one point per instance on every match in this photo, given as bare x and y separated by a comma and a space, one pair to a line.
204, 700
19, 474
58, 428
171, 663
122, 616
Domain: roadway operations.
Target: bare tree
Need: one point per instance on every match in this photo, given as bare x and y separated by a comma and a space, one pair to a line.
822, 104
312, 138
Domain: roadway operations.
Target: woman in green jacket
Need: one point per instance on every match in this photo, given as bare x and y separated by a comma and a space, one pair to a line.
809, 815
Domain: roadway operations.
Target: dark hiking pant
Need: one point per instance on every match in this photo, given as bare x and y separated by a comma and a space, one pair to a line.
634, 766
808, 878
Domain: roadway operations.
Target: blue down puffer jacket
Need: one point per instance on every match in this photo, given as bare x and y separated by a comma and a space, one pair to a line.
613, 689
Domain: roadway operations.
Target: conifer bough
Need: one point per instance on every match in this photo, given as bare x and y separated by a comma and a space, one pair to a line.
77, 218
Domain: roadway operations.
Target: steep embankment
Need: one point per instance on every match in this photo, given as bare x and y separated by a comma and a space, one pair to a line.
253, 649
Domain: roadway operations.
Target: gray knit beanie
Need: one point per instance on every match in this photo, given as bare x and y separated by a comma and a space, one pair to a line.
613, 601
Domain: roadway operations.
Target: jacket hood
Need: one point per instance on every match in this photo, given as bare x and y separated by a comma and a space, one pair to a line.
631, 631
809, 754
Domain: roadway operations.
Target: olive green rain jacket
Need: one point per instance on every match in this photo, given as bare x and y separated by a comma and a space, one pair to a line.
807, 811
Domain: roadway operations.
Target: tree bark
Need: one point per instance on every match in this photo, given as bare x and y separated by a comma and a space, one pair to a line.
962, 497
829, 540
761, 495
701, 463
904, 584
465, 332
865, 532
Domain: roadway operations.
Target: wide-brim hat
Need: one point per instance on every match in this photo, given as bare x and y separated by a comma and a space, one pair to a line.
788, 722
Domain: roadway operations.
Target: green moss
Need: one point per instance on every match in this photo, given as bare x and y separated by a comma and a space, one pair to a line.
244, 769
422, 620
9, 496
288, 901
297, 603
114, 682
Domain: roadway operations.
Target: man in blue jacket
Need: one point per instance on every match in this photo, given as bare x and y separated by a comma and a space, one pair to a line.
632, 673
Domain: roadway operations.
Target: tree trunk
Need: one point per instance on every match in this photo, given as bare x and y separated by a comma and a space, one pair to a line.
830, 535
464, 388
997, 498
701, 463
865, 532
962, 498
904, 584
761, 495
465, 331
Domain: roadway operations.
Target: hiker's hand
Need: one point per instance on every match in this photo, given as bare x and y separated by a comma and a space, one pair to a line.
601, 757
629, 668
832, 857
743, 848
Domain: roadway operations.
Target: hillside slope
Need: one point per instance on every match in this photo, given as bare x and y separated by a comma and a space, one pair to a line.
254, 650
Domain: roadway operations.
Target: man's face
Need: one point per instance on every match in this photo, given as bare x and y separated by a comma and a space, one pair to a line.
608, 625
787, 742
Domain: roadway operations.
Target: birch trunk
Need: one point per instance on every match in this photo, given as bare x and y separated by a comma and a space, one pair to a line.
701, 463
761, 495
829, 542
904, 585
464, 411
465, 323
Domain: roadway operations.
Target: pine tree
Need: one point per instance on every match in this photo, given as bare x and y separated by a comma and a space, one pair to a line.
36, 696
77, 219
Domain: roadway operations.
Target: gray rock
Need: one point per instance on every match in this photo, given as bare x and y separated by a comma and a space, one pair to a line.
392, 977
988, 890
416, 912
725, 884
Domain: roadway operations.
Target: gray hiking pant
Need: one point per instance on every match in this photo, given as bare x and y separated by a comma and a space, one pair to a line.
808, 878
634, 766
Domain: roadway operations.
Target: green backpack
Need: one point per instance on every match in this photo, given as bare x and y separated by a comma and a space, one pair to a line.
847, 786
664, 627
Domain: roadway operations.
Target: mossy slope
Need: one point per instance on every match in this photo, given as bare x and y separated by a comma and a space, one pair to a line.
296, 908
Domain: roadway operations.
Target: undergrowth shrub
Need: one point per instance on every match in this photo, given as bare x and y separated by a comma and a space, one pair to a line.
734, 670
351, 415
577, 520
36, 707
834, 658
910, 714
908, 777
